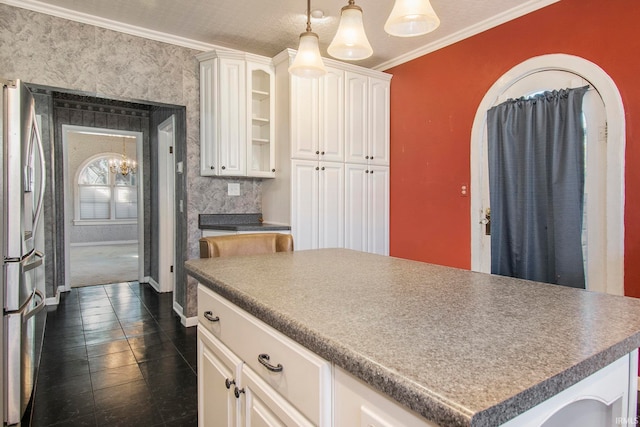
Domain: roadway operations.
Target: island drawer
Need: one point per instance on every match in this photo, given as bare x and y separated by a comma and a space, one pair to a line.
297, 374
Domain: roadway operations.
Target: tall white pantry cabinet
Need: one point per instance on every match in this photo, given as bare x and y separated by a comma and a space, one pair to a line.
332, 157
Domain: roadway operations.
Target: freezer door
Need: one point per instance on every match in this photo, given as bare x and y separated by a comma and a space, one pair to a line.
23, 171
21, 353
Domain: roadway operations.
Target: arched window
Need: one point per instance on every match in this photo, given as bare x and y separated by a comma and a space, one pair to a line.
103, 196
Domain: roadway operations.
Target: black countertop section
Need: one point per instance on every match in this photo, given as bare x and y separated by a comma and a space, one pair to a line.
237, 222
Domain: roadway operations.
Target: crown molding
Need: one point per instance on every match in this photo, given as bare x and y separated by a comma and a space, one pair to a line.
48, 9
509, 15
108, 24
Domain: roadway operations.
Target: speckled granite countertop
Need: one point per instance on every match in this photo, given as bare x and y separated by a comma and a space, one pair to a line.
458, 347
238, 222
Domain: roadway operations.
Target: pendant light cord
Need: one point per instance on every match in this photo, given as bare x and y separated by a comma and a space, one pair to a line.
308, 16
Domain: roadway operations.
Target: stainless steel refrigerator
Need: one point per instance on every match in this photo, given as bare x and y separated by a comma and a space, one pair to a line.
23, 183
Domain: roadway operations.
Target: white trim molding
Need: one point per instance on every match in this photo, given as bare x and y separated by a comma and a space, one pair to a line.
615, 139
85, 18
60, 12
187, 322
465, 33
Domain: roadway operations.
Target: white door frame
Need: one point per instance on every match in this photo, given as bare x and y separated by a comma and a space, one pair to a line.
615, 186
68, 189
166, 205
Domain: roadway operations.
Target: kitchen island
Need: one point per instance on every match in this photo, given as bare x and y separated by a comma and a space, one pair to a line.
456, 348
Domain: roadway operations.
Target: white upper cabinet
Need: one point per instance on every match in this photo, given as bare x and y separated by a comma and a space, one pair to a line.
317, 117
367, 119
237, 106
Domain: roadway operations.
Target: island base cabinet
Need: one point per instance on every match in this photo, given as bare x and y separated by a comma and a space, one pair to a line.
264, 407
218, 370
605, 398
357, 404
278, 382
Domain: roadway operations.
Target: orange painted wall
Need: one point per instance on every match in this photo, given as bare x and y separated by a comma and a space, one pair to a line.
434, 100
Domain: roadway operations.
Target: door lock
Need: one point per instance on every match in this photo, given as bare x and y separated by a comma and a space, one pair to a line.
486, 221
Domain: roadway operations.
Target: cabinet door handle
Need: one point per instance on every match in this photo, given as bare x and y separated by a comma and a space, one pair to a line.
322, 168
237, 392
228, 383
317, 152
224, 167
210, 317
371, 158
273, 170
366, 157
264, 361
317, 168
211, 167
322, 153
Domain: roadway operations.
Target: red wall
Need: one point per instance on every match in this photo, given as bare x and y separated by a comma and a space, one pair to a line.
434, 101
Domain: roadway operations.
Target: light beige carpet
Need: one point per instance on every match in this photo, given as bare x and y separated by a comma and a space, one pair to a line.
102, 264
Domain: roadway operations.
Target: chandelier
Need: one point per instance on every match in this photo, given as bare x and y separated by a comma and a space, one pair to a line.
123, 165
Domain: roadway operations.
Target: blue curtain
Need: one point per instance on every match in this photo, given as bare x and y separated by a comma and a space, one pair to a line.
536, 186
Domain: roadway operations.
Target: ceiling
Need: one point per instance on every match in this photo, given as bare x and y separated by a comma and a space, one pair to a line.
266, 27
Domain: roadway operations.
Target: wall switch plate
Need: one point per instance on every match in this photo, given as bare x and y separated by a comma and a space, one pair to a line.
233, 189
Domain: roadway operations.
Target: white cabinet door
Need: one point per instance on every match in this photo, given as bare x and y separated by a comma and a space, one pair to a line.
264, 407
367, 120
331, 205
367, 208
232, 116
208, 151
304, 203
356, 118
356, 226
218, 369
305, 118
379, 116
378, 210
332, 116
317, 204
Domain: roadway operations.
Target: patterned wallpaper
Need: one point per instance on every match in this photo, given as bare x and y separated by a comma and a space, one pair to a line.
51, 51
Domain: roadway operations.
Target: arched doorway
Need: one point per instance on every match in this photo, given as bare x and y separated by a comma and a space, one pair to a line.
605, 165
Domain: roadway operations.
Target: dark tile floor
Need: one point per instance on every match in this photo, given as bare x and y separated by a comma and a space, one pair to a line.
116, 355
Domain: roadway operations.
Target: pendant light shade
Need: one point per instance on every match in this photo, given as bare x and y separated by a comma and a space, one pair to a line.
308, 62
350, 42
411, 18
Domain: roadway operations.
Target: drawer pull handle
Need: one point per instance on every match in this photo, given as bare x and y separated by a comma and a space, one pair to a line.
210, 317
264, 361
228, 383
237, 392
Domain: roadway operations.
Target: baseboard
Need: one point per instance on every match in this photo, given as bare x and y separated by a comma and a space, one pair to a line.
187, 322
155, 285
109, 243
53, 300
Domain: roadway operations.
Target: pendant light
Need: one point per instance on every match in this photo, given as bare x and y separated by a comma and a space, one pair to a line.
308, 62
411, 18
350, 42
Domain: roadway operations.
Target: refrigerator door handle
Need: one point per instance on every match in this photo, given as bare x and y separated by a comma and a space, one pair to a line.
38, 308
37, 263
36, 131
